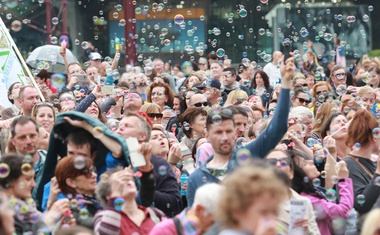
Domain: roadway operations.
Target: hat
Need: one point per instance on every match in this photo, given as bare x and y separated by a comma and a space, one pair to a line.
95, 56
212, 82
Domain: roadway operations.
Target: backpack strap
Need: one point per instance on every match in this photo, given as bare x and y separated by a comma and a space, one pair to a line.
178, 226
153, 215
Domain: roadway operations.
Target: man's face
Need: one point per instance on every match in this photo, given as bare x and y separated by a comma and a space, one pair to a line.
74, 69
132, 102
159, 66
29, 98
95, 63
75, 150
26, 139
197, 98
308, 122
92, 72
16, 91
216, 70
240, 124
130, 127
228, 79
222, 137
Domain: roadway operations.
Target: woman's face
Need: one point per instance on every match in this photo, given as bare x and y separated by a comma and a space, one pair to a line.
368, 100
308, 167
158, 96
350, 115
259, 80
160, 144
359, 74
198, 125
43, 135
189, 94
45, 117
297, 131
281, 161
374, 78
22, 187
86, 182
176, 104
67, 102
322, 89
337, 123
192, 81
310, 81
93, 110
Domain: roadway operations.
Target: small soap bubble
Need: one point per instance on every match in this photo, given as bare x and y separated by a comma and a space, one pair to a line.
98, 132
26, 169
55, 20
341, 90
79, 162
323, 174
376, 133
356, 146
162, 170
179, 19
4, 170
360, 199
366, 77
118, 203
216, 119
317, 182
83, 214
243, 156
331, 195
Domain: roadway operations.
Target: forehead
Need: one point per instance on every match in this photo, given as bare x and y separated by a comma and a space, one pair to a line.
44, 109
158, 88
30, 91
157, 132
225, 125
339, 71
198, 97
28, 127
339, 118
276, 155
131, 119
240, 118
321, 88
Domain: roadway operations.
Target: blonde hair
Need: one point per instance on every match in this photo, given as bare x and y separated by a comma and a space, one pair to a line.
371, 223
151, 108
366, 90
242, 187
234, 95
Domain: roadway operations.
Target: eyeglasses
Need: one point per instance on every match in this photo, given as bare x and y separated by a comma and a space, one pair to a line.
155, 115
201, 63
88, 172
340, 75
302, 100
199, 104
66, 98
283, 161
131, 95
319, 92
157, 94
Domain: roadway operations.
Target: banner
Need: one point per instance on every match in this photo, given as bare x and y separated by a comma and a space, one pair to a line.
11, 69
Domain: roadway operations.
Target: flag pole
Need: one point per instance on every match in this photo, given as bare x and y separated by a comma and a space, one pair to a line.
21, 59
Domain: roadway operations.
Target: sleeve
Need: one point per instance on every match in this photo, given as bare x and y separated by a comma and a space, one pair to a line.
147, 189
312, 223
108, 221
82, 221
107, 104
6, 114
167, 195
276, 129
191, 188
166, 227
363, 187
85, 103
346, 201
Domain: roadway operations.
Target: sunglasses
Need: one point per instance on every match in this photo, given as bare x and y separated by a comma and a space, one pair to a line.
155, 115
44, 103
66, 98
88, 172
199, 104
283, 161
319, 92
304, 85
131, 95
340, 75
302, 100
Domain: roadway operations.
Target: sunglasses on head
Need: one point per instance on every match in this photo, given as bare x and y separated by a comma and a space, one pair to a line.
199, 104
45, 103
88, 172
283, 161
155, 115
66, 98
302, 100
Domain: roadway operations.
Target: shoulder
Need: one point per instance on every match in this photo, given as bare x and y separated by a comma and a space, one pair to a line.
166, 227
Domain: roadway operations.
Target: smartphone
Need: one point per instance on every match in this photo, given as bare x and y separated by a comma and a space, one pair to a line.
107, 90
287, 50
81, 79
298, 210
137, 159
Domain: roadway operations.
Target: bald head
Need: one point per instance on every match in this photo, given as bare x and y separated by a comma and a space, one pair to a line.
276, 56
197, 98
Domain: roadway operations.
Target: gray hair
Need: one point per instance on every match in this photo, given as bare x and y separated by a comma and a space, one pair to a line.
103, 188
208, 196
301, 112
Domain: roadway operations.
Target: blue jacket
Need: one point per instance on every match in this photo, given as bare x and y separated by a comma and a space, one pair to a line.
259, 148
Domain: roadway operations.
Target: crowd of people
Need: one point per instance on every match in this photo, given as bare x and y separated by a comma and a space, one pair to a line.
199, 148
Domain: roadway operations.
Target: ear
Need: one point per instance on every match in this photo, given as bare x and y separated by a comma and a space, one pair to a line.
199, 211
327, 132
141, 138
12, 140
291, 175
71, 183
93, 155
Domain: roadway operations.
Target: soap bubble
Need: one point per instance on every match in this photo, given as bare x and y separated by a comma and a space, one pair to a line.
79, 162
331, 195
243, 13
162, 170
365, 18
220, 52
4, 170
179, 19
118, 203
360, 199
376, 133
84, 45
55, 20
341, 89
216, 119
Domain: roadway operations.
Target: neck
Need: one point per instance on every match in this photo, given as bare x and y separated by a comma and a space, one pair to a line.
130, 206
17, 104
364, 152
341, 149
219, 160
25, 112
